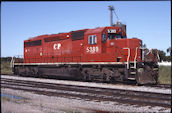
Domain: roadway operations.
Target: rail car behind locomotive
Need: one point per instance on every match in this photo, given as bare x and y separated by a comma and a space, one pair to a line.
102, 53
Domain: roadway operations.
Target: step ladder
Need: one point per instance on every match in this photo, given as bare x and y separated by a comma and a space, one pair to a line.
132, 71
133, 67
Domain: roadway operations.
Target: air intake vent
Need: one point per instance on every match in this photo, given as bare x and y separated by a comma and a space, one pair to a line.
77, 35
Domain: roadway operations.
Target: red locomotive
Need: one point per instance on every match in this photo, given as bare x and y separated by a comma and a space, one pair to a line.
103, 53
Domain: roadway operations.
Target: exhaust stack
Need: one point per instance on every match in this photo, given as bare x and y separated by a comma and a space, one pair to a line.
111, 8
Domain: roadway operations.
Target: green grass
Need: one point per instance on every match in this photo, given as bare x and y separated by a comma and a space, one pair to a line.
5, 98
17, 101
164, 75
5, 68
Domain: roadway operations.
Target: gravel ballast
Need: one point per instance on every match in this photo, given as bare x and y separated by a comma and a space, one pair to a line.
34, 103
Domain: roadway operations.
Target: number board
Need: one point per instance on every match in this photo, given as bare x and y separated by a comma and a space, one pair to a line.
111, 30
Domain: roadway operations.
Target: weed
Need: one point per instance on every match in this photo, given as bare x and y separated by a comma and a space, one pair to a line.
164, 75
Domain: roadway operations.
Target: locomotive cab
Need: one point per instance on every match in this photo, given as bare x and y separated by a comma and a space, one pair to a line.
114, 33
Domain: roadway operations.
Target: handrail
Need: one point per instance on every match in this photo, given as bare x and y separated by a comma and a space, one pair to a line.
148, 52
128, 57
158, 56
142, 52
12, 63
135, 58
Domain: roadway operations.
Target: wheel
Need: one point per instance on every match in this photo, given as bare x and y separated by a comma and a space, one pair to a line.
104, 77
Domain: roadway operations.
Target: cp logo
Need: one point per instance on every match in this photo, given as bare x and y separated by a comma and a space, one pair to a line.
57, 46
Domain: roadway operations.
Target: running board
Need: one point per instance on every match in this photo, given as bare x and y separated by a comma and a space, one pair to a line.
131, 79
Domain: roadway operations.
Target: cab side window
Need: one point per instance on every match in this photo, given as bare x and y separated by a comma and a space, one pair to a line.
111, 36
103, 37
118, 36
92, 39
114, 35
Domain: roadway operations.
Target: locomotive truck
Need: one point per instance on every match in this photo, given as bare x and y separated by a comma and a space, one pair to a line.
102, 53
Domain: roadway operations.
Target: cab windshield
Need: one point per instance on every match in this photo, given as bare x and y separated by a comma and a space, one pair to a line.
113, 35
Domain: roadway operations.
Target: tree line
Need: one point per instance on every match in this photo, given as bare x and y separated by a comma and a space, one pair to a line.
163, 56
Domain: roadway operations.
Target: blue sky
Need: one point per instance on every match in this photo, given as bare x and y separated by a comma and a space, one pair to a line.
149, 21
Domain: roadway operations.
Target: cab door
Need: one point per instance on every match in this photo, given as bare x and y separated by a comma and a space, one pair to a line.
103, 41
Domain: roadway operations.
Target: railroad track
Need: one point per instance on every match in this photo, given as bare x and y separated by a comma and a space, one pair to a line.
167, 86
133, 83
164, 86
139, 98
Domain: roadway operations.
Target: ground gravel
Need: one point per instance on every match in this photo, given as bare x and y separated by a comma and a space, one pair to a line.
34, 103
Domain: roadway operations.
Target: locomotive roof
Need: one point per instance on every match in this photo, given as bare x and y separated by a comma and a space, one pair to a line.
99, 29
95, 30
47, 36
63, 35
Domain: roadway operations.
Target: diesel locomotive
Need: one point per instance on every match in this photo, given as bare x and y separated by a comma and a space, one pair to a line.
98, 54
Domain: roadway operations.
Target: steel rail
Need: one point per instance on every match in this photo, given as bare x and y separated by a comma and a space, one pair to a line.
133, 83
101, 94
